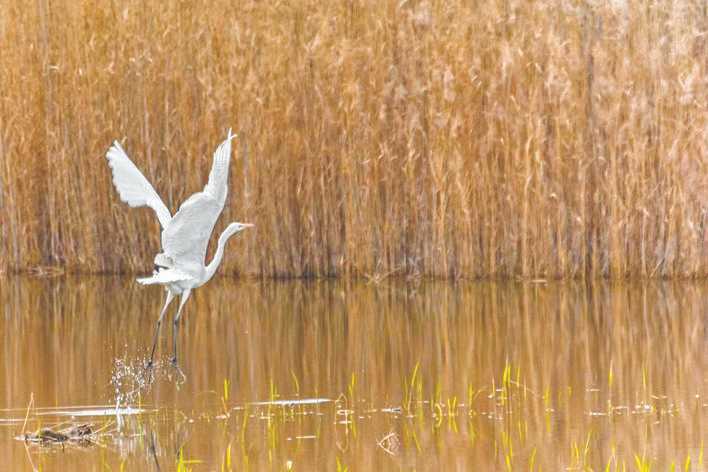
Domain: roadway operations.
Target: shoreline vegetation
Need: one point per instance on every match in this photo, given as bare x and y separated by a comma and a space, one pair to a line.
504, 139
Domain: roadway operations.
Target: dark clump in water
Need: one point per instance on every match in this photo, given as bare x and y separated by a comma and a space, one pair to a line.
81, 434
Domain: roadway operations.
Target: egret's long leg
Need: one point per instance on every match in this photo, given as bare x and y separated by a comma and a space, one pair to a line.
169, 298
183, 300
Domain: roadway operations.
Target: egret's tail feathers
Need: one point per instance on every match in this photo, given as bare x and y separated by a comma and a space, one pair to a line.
164, 277
147, 280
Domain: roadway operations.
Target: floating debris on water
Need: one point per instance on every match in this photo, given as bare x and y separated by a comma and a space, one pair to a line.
82, 434
391, 443
294, 402
105, 410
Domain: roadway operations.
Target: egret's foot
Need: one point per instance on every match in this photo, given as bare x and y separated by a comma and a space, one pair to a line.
181, 377
150, 366
150, 371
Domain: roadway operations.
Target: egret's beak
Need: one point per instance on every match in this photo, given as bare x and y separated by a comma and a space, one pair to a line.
248, 225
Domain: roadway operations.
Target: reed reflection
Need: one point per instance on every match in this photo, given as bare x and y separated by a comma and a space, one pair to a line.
389, 375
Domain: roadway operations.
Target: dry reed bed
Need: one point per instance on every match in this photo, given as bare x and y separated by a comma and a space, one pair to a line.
532, 139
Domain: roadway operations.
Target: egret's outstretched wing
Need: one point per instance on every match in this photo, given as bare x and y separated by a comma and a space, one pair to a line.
217, 186
187, 236
133, 188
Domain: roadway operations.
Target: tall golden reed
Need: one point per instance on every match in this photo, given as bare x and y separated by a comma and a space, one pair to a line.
496, 138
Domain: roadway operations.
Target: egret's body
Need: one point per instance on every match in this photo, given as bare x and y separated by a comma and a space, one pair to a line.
180, 267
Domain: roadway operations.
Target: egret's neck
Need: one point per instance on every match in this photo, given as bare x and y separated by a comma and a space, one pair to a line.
210, 269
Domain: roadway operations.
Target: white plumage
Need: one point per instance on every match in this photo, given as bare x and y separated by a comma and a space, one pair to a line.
133, 188
185, 236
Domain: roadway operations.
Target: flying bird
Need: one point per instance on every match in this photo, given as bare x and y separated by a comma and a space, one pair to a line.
180, 267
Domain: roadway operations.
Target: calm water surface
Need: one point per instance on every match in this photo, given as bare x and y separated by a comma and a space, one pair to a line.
325, 375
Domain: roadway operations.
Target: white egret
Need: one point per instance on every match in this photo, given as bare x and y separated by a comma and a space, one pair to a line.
180, 267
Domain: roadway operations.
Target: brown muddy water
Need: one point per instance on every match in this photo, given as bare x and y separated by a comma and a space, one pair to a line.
339, 376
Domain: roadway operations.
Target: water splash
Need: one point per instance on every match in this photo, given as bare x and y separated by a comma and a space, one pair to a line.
131, 380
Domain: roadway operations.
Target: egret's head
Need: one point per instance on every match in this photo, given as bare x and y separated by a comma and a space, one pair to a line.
238, 227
